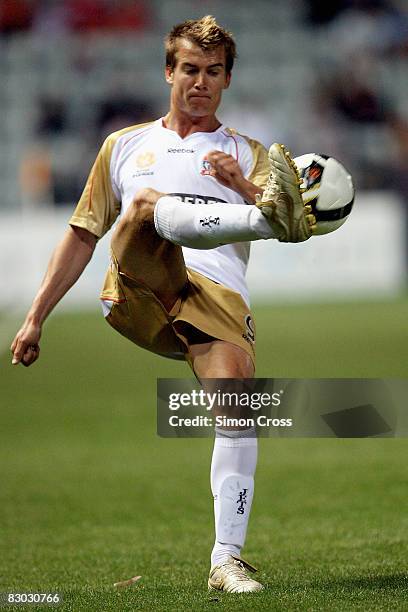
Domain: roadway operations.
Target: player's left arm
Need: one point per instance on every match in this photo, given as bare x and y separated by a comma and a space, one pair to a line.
227, 171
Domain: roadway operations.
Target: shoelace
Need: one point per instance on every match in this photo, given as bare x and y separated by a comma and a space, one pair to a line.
236, 570
272, 186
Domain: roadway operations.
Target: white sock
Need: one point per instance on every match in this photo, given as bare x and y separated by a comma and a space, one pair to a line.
206, 226
232, 484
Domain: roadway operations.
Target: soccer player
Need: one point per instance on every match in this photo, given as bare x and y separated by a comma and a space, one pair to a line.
182, 191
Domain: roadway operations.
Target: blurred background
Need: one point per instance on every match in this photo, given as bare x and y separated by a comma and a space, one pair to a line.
328, 77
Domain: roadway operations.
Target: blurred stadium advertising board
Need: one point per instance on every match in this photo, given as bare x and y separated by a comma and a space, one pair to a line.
364, 258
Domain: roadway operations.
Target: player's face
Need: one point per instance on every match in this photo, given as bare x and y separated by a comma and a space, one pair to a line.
197, 79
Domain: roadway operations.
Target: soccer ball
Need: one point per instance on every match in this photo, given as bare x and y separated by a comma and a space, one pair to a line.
328, 189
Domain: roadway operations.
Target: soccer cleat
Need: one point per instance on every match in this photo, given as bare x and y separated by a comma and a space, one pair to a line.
232, 577
282, 202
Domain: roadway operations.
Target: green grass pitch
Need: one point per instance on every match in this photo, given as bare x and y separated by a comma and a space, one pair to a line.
89, 495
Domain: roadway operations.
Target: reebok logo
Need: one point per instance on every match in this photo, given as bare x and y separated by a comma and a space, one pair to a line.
171, 150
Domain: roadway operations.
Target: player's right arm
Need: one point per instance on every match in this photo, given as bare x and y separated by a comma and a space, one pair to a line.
95, 213
65, 267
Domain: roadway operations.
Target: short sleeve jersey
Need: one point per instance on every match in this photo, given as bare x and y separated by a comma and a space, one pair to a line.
150, 155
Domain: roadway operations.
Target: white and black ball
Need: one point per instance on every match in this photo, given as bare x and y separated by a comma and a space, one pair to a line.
328, 189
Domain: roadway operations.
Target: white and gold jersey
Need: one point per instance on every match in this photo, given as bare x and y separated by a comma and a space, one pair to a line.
150, 155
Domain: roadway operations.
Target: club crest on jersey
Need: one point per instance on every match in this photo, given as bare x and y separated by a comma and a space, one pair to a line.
205, 167
145, 160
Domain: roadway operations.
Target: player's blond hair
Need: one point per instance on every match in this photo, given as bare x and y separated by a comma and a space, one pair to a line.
204, 32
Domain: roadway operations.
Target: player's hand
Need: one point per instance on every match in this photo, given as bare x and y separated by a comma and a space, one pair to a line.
25, 347
226, 170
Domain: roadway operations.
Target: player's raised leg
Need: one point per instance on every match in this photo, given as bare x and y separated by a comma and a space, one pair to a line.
207, 226
280, 213
142, 255
232, 471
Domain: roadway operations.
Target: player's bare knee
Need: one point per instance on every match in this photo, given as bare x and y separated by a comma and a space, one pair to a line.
147, 198
139, 216
141, 212
142, 208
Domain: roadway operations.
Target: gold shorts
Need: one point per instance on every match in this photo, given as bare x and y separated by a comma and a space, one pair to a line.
213, 309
